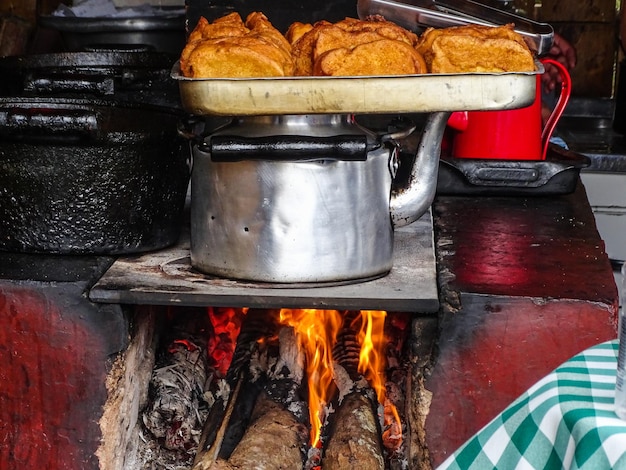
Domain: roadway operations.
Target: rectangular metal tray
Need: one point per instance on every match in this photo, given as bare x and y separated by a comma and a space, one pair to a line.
356, 95
557, 174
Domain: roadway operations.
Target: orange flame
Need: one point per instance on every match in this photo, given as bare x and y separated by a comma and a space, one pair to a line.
316, 331
372, 365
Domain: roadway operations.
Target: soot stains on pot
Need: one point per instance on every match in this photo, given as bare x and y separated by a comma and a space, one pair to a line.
70, 188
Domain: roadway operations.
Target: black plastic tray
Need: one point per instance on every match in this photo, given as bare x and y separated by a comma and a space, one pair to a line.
557, 174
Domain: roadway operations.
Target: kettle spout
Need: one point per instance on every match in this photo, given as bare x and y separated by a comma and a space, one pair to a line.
410, 203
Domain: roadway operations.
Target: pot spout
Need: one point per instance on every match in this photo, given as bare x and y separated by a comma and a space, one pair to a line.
410, 203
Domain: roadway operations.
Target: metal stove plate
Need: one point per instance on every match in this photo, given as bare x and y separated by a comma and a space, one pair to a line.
356, 95
166, 277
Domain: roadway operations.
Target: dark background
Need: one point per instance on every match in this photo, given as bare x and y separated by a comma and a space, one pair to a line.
590, 25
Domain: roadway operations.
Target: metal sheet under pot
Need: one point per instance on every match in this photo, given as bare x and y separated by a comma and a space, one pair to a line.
89, 177
303, 198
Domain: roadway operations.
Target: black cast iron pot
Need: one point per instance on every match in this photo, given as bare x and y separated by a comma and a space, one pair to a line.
89, 177
133, 73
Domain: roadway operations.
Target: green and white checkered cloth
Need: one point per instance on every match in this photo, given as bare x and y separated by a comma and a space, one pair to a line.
564, 421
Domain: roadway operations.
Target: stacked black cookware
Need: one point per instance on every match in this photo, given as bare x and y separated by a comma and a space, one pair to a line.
90, 157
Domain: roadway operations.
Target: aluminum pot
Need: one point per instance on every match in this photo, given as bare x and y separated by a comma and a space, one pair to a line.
304, 199
89, 177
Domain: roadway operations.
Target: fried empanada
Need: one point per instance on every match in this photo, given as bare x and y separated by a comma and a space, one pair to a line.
381, 26
296, 30
230, 48
475, 48
381, 57
312, 49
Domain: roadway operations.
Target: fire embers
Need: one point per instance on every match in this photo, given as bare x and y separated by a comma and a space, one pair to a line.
305, 389
177, 402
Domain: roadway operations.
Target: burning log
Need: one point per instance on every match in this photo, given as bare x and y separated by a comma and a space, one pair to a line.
274, 434
355, 437
262, 419
274, 440
219, 435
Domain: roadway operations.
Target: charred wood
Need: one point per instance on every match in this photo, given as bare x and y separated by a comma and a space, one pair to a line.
347, 349
220, 435
273, 441
276, 435
285, 375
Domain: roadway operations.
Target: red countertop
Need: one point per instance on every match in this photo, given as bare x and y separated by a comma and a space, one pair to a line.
525, 284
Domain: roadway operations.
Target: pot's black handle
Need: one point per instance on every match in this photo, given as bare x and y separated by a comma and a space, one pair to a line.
46, 124
228, 148
74, 84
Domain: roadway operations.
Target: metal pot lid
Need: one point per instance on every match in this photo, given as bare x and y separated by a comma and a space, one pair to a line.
173, 21
113, 56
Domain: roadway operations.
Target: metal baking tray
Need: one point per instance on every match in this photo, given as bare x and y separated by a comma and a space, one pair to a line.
356, 95
416, 14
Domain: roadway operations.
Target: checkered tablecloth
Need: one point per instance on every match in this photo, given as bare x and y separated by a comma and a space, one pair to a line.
565, 421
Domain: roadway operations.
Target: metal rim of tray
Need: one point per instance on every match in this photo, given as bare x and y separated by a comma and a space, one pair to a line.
356, 95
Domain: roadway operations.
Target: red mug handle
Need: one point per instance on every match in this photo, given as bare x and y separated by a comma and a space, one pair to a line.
566, 90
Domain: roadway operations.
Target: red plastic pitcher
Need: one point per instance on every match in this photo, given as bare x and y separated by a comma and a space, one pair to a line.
517, 134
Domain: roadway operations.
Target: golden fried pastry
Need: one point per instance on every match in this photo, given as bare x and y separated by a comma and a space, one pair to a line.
229, 25
230, 48
381, 26
321, 49
474, 48
303, 47
296, 30
380, 57
338, 38
261, 27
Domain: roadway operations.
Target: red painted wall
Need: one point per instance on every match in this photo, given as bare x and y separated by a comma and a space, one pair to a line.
54, 350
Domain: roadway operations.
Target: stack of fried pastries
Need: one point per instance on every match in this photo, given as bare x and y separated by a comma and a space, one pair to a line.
354, 47
228, 47
474, 48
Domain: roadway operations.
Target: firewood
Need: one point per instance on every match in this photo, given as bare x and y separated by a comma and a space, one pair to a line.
205, 459
354, 435
276, 436
221, 464
274, 439
218, 428
355, 440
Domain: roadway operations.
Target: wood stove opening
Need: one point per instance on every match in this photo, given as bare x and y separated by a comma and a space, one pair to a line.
236, 388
